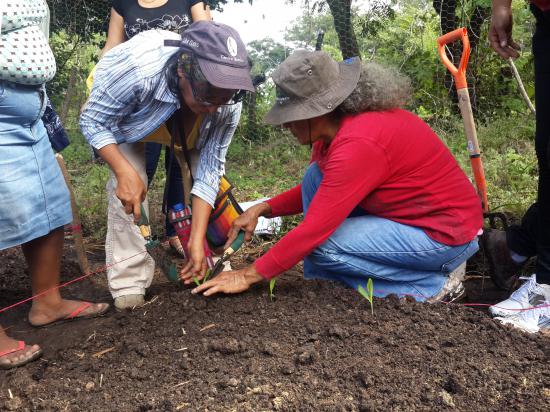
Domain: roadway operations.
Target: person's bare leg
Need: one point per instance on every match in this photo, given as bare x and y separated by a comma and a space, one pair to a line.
7, 343
44, 260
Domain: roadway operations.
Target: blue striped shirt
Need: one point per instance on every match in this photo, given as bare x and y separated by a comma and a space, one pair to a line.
130, 99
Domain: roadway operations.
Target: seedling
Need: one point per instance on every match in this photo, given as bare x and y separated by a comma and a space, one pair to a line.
198, 282
367, 294
208, 272
271, 287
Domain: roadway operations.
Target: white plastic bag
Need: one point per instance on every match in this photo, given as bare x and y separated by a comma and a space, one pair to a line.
265, 227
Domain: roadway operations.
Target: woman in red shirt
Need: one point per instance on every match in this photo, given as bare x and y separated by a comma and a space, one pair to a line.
383, 197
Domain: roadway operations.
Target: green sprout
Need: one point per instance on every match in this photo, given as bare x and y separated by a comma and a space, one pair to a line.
208, 272
198, 282
367, 294
271, 287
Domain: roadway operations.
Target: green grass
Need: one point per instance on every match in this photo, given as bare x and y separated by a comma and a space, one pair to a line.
88, 180
265, 167
509, 159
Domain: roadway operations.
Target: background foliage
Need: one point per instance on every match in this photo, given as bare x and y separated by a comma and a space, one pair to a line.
402, 33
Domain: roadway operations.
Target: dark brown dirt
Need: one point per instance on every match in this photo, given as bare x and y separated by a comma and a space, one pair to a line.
316, 347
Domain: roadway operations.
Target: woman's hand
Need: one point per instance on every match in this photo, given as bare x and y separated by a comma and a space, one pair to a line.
131, 191
235, 281
247, 222
196, 266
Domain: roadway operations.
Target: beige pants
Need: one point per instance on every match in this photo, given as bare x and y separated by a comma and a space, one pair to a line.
132, 268
129, 270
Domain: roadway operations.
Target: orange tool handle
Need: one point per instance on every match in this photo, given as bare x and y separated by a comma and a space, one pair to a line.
481, 184
459, 73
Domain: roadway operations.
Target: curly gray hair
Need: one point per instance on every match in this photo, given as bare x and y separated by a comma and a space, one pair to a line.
379, 88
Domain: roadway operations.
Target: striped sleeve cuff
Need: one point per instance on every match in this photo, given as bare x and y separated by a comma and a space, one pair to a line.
204, 191
102, 139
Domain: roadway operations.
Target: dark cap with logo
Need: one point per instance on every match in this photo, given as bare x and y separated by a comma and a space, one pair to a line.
220, 52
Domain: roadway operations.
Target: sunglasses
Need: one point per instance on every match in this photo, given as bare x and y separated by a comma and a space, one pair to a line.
204, 92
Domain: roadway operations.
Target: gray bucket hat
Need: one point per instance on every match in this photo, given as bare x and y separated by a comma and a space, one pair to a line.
310, 84
220, 52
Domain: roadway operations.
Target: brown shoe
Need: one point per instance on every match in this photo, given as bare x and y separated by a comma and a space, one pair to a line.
504, 271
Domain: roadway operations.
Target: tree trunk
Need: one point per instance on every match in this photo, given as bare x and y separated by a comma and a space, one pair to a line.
341, 14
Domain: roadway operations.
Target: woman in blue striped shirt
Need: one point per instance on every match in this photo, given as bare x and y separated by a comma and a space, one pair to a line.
138, 86
129, 18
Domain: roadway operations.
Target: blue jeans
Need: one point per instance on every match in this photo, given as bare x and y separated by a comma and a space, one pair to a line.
400, 259
174, 191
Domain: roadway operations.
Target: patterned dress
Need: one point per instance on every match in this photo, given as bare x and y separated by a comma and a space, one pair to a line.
35, 198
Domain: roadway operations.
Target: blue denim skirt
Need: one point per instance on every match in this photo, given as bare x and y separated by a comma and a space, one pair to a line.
34, 199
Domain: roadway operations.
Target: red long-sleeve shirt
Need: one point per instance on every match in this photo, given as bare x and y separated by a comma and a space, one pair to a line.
393, 166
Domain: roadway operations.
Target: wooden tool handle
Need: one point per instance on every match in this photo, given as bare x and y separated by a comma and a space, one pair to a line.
76, 224
473, 146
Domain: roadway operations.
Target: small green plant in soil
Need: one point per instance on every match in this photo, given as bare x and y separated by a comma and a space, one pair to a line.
367, 293
208, 272
198, 282
271, 287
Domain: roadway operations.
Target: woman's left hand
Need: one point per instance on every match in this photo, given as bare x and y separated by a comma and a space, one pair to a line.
196, 266
235, 281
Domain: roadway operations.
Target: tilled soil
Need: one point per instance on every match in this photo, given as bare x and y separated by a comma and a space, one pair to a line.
316, 347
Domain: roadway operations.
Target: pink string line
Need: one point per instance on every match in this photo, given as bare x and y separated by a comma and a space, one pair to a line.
106, 267
78, 279
471, 304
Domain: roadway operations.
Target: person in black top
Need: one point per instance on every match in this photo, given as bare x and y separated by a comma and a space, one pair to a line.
527, 308
130, 17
